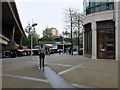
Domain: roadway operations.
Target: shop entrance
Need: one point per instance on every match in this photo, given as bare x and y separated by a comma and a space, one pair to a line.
106, 43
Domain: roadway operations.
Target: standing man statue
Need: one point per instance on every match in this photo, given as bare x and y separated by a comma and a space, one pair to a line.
42, 56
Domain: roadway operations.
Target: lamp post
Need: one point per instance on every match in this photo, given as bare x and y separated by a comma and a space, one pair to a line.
63, 42
32, 27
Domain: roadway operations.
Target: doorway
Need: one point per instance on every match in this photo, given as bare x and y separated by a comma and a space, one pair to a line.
106, 43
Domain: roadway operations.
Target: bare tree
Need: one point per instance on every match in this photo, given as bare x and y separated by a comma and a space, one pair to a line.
73, 23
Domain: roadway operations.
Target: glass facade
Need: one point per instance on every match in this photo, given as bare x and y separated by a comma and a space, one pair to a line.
106, 40
88, 39
93, 7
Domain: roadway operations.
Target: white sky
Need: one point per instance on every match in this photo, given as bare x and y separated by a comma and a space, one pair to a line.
45, 12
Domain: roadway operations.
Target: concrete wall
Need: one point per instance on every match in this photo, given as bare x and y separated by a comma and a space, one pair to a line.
99, 16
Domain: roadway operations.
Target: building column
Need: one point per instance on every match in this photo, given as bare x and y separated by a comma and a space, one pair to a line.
117, 30
94, 40
83, 42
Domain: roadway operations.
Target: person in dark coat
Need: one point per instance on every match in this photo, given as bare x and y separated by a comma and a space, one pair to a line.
42, 56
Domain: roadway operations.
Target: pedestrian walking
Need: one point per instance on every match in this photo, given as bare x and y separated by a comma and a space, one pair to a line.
42, 56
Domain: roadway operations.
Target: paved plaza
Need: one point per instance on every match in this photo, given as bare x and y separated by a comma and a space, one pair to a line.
74, 71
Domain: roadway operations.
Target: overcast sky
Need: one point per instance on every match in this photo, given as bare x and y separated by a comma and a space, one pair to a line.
45, 12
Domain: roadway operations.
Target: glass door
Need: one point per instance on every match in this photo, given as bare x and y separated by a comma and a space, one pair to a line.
106, 44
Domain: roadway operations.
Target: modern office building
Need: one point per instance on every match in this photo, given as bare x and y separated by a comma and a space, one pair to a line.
101, 29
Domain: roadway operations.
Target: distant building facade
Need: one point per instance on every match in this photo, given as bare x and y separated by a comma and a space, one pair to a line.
101, 29
54, 31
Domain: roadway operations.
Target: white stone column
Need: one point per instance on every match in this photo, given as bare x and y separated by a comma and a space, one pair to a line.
83, 42
94, 40
117, 30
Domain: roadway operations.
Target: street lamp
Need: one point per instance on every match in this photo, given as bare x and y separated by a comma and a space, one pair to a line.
63, 42
33, 25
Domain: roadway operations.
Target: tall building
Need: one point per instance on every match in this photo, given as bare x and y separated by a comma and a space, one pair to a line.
101, 29
54, 31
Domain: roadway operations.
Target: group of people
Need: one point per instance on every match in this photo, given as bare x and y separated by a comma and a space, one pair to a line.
67, 50
43, 50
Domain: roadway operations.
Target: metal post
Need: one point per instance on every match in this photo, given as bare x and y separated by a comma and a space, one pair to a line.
31, 44
63, 42
78, 35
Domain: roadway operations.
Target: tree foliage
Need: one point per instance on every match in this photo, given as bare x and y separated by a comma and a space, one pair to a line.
73, 23
30, 31
47, 36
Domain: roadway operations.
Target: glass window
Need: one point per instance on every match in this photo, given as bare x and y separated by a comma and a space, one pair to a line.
110, 0
92, 10
107, 6
110, 46
100, 5
103, 7
89, 41
110, 55
109, 34
101, 34
87, 11
92, 4
87, 3
97, 9
101, 54
97, 3
103, 2
111, 6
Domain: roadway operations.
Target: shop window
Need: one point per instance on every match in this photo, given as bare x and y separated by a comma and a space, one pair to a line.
110, 46
109, 34
106, 39
110, 55
88, 39
88, 42
101, 34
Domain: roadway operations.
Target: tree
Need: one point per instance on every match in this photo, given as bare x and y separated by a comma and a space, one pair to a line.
69, 23
47, 36
30, 31
66, 34
73, 22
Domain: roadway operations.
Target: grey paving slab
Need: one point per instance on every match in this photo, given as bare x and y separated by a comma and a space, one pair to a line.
55, 80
